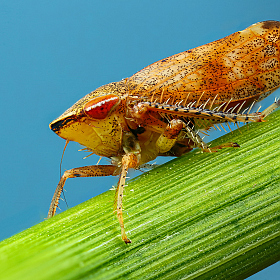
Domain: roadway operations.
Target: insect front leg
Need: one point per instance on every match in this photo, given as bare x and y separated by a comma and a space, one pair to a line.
85, 171
130, 160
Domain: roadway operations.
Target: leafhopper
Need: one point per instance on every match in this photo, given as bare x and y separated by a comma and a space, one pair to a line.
160, 110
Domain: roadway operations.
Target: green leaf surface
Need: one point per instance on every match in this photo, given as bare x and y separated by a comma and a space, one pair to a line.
201, 216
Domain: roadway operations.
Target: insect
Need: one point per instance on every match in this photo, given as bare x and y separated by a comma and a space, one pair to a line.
160, 110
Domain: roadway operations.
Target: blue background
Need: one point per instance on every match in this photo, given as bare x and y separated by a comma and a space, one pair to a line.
52, 53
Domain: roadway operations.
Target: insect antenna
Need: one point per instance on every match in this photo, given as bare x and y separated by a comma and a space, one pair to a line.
60, 166
67, 141
64, 199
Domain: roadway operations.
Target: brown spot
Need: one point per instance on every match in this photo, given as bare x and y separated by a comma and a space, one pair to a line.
269, 24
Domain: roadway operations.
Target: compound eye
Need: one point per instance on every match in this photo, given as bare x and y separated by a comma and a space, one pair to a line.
100, 107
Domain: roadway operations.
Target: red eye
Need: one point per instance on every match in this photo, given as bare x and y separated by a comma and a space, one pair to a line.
100, 107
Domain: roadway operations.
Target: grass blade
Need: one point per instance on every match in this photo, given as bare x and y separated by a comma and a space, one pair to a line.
201, 216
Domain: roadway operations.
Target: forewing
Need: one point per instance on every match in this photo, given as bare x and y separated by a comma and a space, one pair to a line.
242, 66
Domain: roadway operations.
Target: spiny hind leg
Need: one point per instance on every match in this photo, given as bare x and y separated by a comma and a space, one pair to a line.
202, 145
141, 113
85, 171
271, 108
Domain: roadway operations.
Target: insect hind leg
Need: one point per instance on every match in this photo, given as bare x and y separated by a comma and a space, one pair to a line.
202, 145
271, 108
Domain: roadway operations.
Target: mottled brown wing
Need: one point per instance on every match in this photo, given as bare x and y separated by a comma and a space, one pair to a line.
242, 66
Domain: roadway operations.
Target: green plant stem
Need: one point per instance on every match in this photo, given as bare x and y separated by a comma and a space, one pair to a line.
201, 216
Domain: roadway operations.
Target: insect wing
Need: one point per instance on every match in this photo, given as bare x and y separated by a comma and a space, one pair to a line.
242, 66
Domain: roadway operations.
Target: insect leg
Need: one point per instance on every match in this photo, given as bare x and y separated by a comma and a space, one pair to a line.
168, 138
215, 116
141, 115
128, 161
271, 108
169, 133
202, 145
85, 171
196, 139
